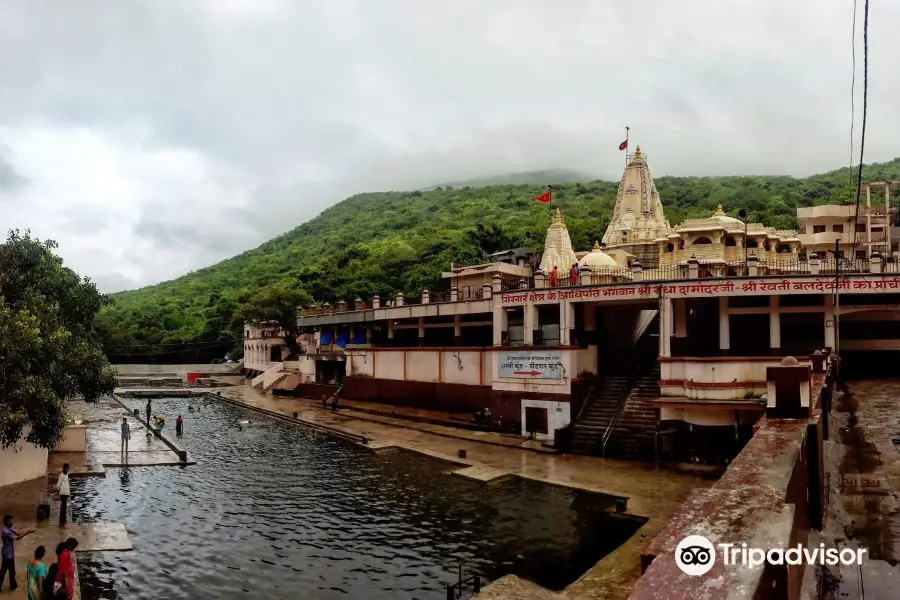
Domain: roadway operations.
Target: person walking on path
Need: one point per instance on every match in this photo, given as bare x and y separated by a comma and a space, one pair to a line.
10, 536
62, 487
179, 426
149, 412
126, 434
35, 572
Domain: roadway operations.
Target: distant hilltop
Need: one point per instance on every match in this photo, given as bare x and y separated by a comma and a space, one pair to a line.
543, 177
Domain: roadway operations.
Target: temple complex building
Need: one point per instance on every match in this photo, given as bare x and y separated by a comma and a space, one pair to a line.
656, 349
722, 244
637, 220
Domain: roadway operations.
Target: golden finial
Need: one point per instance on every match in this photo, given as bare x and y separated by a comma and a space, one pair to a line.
719, 210
596, 245
557, 218
637, 153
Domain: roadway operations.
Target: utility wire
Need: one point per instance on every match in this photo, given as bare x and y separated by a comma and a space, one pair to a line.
862, 142
152, 344
852, 92
169, 352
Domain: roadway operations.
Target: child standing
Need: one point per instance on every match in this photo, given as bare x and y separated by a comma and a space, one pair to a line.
35, 572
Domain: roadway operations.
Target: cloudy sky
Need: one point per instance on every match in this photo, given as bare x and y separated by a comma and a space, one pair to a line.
153, 137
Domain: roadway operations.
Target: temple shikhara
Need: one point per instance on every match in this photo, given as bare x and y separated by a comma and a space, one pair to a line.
696, 343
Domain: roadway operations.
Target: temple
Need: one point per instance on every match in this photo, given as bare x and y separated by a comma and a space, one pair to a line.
638, 219
657, 350
713, 342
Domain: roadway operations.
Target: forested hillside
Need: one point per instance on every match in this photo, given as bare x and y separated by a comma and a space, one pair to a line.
381, 243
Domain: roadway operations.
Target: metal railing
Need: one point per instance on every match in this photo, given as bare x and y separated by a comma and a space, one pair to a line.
464, 588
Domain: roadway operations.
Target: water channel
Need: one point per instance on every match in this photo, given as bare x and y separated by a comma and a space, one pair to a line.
274, 510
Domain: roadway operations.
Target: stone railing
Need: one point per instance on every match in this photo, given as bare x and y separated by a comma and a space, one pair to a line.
770, 496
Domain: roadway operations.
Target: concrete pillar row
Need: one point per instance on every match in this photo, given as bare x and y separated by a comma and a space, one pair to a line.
531, 323
775, 323
724, 325
500, 324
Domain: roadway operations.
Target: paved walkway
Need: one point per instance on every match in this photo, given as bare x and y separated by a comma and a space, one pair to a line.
863, 460
651, 492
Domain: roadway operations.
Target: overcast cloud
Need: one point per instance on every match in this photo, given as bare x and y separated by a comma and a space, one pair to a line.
150, 138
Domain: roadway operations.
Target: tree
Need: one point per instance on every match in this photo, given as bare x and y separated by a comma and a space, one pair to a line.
49, 352
275, 305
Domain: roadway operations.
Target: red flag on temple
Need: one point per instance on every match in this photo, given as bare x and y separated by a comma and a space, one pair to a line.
545, 197
623, 145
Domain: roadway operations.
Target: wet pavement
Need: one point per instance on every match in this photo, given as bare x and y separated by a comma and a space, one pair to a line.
864, 475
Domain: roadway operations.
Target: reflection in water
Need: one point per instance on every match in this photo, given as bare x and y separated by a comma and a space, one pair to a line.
274, 510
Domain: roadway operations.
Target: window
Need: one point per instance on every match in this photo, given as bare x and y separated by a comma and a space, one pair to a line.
860, 228
837, 228
703, 240
730, 241
861, 255
670, 247
818, 229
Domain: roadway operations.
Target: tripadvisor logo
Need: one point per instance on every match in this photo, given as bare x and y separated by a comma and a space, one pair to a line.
695, 555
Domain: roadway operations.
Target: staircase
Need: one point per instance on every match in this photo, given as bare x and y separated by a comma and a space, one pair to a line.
278, 379
634, 434
600, 410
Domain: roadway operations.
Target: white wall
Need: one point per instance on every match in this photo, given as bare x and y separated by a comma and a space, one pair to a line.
389, 365
435, 366
470, 373
74, 439
683, 374
559, 415
22, 462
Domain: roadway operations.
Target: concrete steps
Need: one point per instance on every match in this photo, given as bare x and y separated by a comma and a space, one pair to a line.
603, 403
634, 435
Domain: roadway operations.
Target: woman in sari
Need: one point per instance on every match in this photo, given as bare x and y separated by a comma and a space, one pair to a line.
66, 574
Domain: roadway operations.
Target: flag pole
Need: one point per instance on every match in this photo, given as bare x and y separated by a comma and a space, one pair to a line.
550, 205
627, 148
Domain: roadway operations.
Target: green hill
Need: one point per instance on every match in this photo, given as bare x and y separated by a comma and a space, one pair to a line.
381, 243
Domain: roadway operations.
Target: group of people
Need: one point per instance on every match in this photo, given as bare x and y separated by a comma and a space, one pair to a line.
574, 275
42, 582
160, 421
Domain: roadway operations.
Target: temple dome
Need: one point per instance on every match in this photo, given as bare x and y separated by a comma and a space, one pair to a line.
725, 220
597, 259
558, 250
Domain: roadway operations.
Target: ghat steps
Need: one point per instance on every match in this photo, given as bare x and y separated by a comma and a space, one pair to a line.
620, 400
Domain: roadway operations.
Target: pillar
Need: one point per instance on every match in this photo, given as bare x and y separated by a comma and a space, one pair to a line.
530, 323
457, 330
390, 328
724, 326
680, 318
368, 334
775, 324
566, 322
421, 331
868, 222
887, 215
829, 322
500, 324
665, 327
